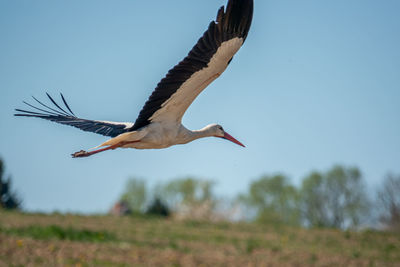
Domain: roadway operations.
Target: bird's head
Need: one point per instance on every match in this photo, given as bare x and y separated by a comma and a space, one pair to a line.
217, 131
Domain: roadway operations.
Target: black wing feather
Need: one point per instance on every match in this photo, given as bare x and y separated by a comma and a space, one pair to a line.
68, 118
65, 103
234, 22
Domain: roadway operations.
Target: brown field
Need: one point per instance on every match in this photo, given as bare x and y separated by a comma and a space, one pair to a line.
72, 240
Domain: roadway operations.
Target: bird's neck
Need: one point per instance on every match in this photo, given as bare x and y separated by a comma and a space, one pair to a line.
187, 135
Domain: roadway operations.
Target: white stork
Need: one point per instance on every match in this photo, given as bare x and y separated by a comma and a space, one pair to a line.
159, 122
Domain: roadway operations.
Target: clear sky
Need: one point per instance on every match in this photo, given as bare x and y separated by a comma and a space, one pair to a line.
317, 83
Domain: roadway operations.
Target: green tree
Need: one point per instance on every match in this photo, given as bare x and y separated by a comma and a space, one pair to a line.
336, 198
135, 194
312, 200
8, 199
389, 202
274, 199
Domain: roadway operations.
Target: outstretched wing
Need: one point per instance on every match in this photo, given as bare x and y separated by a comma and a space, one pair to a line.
67, 117
205, 62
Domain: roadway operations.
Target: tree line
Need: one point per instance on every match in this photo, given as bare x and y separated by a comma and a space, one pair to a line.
336, 198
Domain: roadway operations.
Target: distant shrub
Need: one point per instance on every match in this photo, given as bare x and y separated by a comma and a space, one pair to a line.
158, 208
121, 208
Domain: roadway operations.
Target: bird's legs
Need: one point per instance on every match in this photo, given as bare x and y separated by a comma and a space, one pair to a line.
83, 153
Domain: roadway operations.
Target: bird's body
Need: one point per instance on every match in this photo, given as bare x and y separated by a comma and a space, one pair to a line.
158, 135
159, 123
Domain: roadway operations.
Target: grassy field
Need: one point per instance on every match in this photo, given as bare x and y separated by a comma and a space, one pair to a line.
71, 240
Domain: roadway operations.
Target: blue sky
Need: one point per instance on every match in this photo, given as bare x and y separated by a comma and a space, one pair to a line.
317, 83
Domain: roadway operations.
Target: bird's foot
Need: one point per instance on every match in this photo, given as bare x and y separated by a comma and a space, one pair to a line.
81, 154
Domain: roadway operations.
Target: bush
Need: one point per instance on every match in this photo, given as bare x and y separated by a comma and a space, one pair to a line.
158, 208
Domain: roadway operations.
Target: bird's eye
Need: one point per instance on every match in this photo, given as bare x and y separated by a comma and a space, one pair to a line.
220, 127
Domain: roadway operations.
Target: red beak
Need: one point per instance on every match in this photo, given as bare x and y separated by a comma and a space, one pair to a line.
230, 138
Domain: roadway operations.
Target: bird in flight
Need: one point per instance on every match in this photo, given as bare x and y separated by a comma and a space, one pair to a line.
159, 122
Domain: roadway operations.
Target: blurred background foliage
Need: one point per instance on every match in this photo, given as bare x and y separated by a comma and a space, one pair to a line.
335, 198
274, 200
